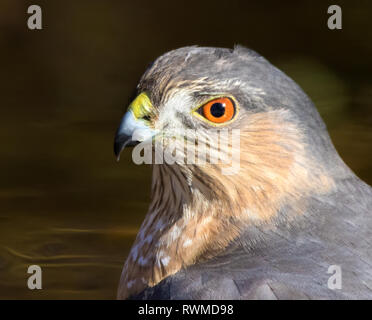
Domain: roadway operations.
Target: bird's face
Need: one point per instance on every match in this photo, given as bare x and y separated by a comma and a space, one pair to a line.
193, 94
190, 98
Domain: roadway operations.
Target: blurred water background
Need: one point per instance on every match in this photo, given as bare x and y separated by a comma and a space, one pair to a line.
65, 204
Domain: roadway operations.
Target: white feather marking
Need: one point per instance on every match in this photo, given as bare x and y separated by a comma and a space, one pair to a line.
187, 243
159, 255
174, 233
251, 214
165, 260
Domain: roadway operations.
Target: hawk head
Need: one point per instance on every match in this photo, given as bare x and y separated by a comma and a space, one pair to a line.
222, 104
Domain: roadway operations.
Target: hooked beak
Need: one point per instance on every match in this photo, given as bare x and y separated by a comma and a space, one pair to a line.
134, 128
131, 132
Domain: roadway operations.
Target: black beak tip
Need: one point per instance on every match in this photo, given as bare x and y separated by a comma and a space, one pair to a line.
120, 143
118, 147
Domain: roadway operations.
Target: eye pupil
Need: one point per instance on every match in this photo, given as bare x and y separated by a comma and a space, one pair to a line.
218, 109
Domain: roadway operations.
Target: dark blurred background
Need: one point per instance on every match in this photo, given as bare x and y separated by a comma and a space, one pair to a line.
65, 204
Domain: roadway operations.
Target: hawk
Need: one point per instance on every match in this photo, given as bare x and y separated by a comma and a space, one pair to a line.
292, 222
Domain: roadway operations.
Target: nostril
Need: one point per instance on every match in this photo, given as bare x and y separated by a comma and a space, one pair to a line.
146, 118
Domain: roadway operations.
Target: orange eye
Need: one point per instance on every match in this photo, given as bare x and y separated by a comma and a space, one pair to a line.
219, 110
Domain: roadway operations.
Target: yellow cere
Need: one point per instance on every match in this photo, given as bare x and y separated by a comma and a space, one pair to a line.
141, 106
